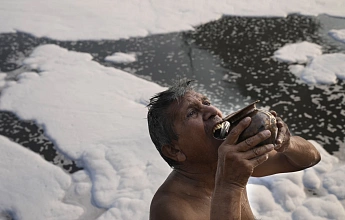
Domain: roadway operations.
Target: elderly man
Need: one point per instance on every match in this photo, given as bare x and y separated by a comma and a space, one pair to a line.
209, 176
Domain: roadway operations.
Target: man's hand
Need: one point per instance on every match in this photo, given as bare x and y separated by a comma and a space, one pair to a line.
299, 152
236, 162
283, 136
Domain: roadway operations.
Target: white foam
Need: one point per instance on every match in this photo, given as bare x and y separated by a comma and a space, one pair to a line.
2, 76
298, 52
2, 80
325, 207
338, 34
121, 58
325, 69
103, 19
288, 192
319, 68
96, 115
32, 188
296, 69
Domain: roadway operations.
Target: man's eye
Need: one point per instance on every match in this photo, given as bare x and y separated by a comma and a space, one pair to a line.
206, 102
191, 113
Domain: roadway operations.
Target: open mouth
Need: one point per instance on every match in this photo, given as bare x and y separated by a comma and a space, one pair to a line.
220, 131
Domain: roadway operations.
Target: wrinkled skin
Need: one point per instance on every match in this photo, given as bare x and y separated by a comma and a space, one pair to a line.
240, 159
283, 136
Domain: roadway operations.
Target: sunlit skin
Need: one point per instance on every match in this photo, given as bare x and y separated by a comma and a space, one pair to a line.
210, 180
194, 123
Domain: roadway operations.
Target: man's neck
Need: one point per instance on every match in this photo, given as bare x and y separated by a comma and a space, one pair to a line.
202, 179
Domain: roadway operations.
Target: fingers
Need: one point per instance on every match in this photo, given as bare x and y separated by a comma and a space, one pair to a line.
274, 113
259, 160
280, 122
258, 155
283, 136
280, 126
259, 151
251, 142
237, 130
282, 130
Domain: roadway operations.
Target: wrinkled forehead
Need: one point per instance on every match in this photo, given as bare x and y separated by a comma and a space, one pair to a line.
179, 106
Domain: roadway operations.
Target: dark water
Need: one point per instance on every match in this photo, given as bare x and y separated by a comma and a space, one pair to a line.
231, 61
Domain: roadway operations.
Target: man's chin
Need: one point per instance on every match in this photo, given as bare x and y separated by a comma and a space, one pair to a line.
216, 142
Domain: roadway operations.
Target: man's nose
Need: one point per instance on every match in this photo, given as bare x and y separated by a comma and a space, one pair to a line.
209, 112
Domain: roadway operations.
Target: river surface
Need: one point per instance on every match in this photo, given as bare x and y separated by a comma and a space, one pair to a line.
230, 60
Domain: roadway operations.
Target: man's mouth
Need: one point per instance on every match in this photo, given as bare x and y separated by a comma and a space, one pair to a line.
221, 130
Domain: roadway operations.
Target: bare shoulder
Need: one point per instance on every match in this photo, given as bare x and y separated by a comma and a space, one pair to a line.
178, 199
169, 206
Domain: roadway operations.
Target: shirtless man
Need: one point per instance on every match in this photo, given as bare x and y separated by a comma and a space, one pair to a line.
209, 176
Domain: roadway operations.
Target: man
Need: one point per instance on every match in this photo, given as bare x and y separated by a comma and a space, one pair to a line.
209, 176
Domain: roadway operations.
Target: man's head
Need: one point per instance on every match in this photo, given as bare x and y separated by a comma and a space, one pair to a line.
160, 118
180, 123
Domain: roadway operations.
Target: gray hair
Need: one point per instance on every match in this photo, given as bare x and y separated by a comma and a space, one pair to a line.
161, 121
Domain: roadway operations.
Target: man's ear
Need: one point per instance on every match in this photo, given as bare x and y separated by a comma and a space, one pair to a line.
173, 152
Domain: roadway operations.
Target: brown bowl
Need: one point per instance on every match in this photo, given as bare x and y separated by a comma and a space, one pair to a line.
261, 120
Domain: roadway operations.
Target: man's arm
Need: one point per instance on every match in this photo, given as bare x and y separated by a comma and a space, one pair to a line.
291, 154
236, 163
226, 202
301, 153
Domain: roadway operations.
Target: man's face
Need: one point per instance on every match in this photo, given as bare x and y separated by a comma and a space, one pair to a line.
195, 119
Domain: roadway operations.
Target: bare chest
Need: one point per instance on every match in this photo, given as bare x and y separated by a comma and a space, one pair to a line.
201, 208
